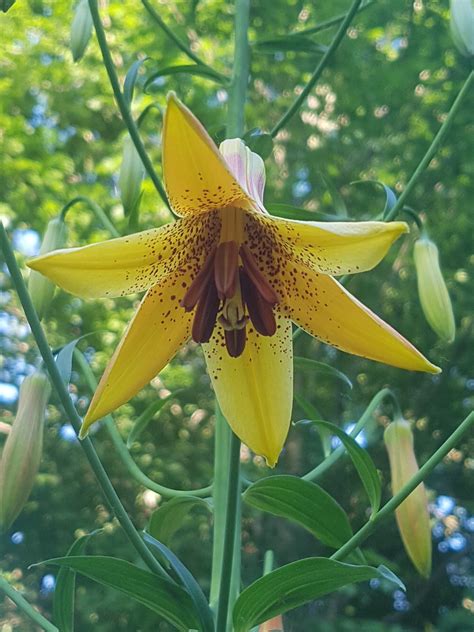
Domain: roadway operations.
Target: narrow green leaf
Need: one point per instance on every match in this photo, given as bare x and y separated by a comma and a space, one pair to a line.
294, 43
291, 212
296, 584
186, 579
337, 199
189, 69
390, 197
306, 364
258, 141
304, 503
63, 603
130, 80
313, 413
147, 415
162, 596
168, 518
361, 460
64, 358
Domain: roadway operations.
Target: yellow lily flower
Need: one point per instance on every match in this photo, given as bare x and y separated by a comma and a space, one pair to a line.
231, 277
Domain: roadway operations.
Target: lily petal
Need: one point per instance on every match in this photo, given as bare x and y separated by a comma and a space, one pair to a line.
196, 176
325, 309
255, 390
334, 248
156, 332
247, 166
132, 263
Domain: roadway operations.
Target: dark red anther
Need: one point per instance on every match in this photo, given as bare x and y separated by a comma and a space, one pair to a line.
235, 341
260, 311
206, 314
260, 282
199, 284
226, 267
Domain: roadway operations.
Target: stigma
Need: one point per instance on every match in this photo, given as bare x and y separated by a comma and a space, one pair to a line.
230, 291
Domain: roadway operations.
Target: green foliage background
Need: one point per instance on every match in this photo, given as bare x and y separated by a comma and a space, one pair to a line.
372, 116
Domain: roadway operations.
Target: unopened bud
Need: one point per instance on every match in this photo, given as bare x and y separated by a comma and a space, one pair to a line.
432, 290
462, 26
40, 288
81, 29
412, 514
22, 451
131, 176
272, 625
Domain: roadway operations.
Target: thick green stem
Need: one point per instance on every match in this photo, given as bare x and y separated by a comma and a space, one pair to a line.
240, 71
122, 104
433, 148
97, 210
319, 69
26, 607
123, 452
63, 395
406, 490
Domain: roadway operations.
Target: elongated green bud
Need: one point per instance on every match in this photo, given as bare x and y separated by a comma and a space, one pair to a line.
131, 176
412, 514
41, 289
22, 451
462, 26
81, 29
432, 290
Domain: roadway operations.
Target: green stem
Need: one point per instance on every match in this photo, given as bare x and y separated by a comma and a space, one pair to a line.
319, 69
433, 148
406, 490
25, 607
122, 450
179, 42
240, 71
233, 495
63, 394
98, 212
122, 104
320, 469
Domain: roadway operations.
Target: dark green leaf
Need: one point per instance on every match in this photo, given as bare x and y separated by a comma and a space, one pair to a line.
147, 415
259, 142
361, 460
313, 413
297, 43
390, 197
63, 603
64, 358
169, 517
336, 197
186, 579
296, 584
6, 4
302, 502
130, 80
162, 596
306, 364
189, 69
291, 212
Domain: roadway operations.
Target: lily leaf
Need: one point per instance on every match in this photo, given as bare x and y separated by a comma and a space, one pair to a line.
147, 415
294, 43
296, 584
166, 520
160, 595
337, 199
258, 141
304, 503
361, 460
130, 80
186, 579
291, 212
189, 69
64, 358
390, 197
306, 364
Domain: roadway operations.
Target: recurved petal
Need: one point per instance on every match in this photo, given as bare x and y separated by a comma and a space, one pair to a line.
321, 306
132, 263
336, 247
156, 332
196, 176
255, 390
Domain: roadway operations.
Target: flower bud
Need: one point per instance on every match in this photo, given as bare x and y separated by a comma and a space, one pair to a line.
131, 176
22, 451
41, 289
412, 514
432, 290
272, 625
462, 26
81, 29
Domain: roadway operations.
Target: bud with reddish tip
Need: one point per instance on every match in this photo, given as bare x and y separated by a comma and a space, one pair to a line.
81, 29
432, 290
412, 514
41, 289
22, 451
272, 625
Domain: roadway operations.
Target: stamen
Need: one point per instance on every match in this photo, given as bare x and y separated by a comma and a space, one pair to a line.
226, 268
199, 284
259, 281
235, 341
206, 314
260, 310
